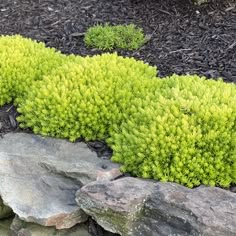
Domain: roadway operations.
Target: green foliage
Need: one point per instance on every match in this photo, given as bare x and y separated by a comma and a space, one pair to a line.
84, 99
23, 61
108, 37
180, 129
185, 133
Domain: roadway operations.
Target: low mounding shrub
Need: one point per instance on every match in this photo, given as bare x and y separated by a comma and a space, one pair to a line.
180, 129
108, 37
184, 133
23, 61
84, 99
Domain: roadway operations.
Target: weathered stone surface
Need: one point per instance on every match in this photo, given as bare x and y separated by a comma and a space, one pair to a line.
39, 177
131, 206
5, 211
5, 227
21, 228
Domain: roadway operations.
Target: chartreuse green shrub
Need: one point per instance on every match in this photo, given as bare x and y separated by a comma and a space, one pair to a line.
23, 61
108, 37
84, 99
184, 133
180, 129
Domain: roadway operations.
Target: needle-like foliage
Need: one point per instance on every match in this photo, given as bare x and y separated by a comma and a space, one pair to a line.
110, 37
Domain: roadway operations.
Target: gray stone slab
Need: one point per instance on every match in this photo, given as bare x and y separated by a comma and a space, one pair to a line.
39, 177
138, 207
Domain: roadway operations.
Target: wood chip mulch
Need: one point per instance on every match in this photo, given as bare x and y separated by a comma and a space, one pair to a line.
183, 38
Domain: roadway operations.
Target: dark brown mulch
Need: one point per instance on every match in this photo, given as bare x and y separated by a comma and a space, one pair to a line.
8, 121
184, 38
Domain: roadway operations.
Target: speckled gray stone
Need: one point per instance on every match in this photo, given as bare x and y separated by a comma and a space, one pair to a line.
40, 176
137, 207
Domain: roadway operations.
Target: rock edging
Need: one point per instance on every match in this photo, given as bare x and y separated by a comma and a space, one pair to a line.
132, 206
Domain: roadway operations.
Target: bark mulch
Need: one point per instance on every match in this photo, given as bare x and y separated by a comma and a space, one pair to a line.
183, 38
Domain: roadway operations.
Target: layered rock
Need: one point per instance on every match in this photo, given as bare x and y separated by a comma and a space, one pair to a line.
40, 176
22, 228
131, 206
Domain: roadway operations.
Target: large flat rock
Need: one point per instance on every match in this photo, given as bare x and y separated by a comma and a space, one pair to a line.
40, 176
132, 206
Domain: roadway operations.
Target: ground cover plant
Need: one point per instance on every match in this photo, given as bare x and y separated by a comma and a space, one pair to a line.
21, 62
84, 99
108, 37
180, 129
184, 132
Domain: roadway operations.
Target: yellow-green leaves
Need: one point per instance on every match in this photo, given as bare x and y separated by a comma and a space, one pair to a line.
23, 61
108, 37
85, 99
180, 129
183, 134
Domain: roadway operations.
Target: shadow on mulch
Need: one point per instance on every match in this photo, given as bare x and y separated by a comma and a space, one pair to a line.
8, 121
183, 38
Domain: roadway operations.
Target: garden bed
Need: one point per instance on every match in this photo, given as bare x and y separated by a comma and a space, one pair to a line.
182, 38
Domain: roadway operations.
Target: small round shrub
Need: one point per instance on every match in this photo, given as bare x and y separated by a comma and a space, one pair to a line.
108, 37
184, 133
84, 99
23, 61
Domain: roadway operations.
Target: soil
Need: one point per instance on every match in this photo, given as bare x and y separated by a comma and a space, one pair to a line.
183, 38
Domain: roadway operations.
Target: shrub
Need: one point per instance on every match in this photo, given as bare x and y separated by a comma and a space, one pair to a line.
23, 61
180, 129
108, 37
185, 133
84, 99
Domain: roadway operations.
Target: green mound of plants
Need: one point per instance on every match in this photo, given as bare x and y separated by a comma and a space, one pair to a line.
108, 37
23, 61
84, 99
185, 133
180, 129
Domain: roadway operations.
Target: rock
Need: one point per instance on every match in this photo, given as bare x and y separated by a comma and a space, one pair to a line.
39, 177
21, 228
131, 206
5, 211
5, 227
